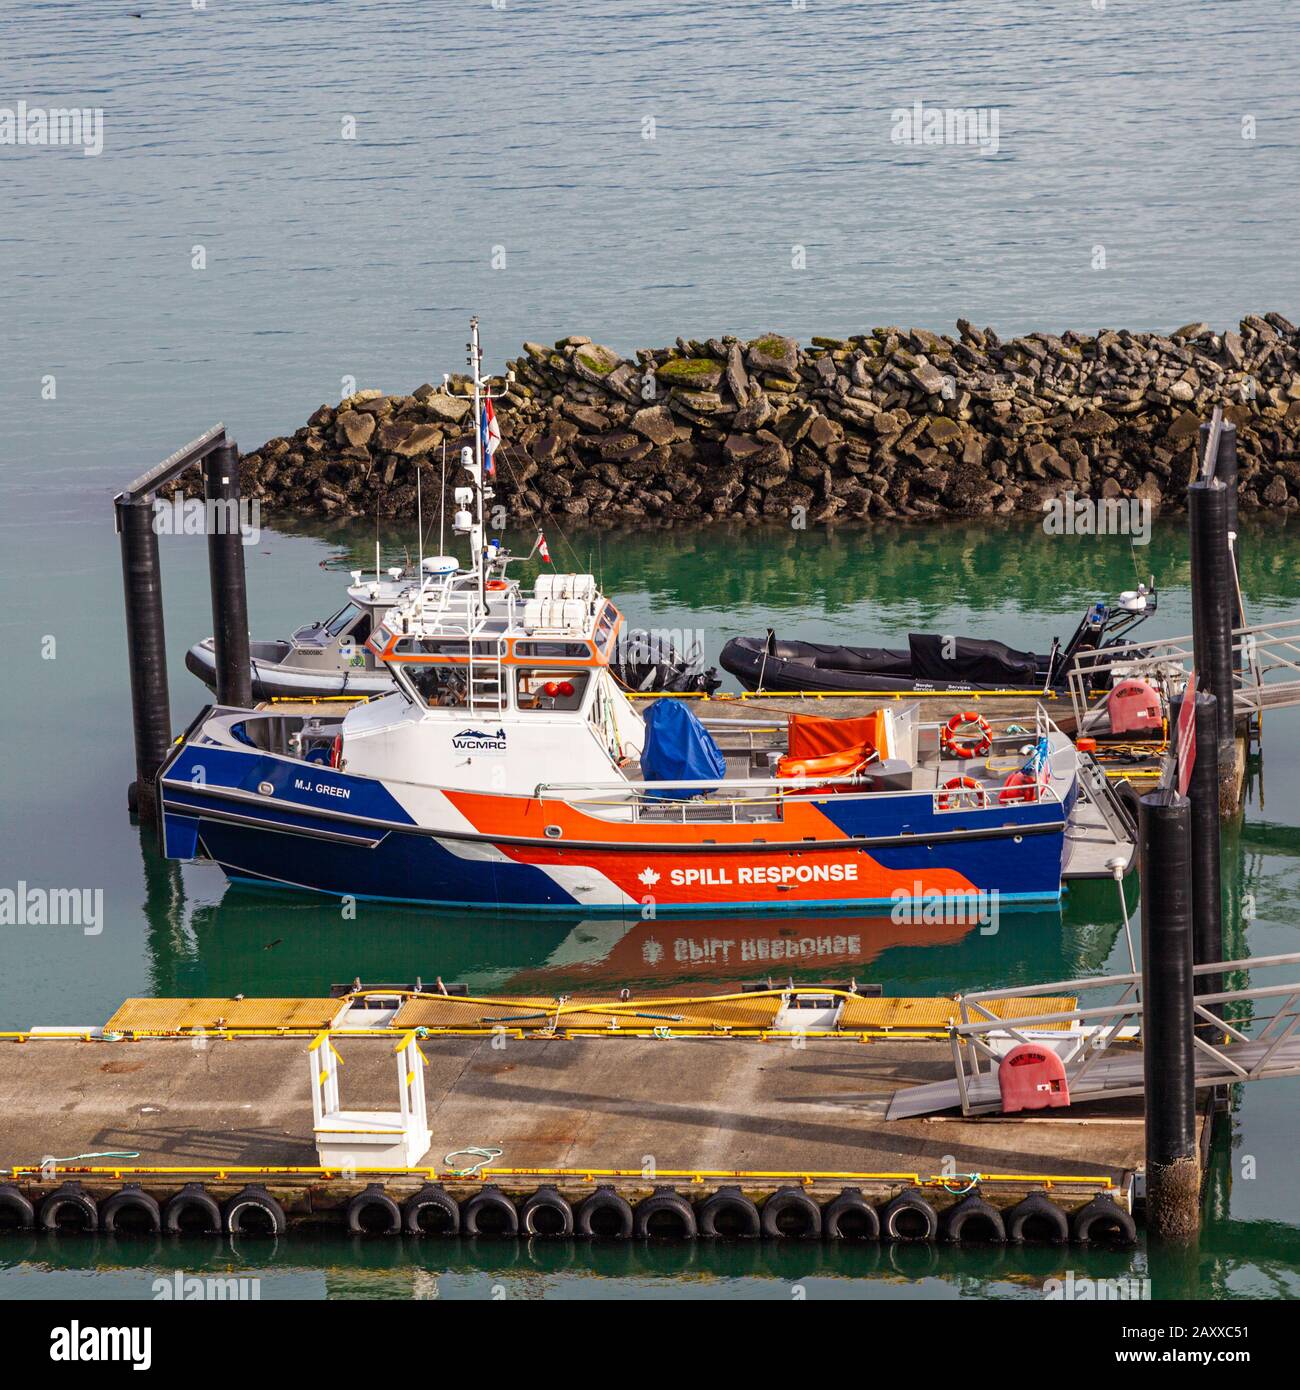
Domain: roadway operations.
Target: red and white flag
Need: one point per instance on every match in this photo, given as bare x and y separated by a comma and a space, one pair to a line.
542, 549
491, 438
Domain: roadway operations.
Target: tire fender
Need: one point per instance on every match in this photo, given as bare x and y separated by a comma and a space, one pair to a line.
374, 1198
795, 1206
546, 1207
901, 1217
243, 1205
1105, 1221
730, 1207
666, 1200
20, 1210
192, 1197
71, 1194
983, 1220
431, 1197
132, 1198
489, 1199
606, 1207
852, 1210
1037, 1214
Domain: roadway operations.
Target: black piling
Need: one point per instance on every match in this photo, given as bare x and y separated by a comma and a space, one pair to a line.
1214, 609
146, 646
1207, 888
1225, 469
1168, 1057
226, 571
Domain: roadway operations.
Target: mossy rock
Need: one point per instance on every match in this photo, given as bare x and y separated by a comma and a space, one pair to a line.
693, 373
594, 362
773, 353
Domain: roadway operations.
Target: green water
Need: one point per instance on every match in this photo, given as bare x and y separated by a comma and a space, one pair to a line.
170, 930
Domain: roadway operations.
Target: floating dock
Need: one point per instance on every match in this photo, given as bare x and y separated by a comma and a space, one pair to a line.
712, 1106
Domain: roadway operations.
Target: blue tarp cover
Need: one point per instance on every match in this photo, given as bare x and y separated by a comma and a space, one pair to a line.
678, 745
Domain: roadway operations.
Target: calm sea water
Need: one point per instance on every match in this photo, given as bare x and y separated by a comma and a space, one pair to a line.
517, 136
180, 930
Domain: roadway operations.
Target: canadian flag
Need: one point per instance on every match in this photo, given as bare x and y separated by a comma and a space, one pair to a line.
542, 549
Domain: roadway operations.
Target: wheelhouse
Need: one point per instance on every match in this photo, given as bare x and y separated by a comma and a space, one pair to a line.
500, 651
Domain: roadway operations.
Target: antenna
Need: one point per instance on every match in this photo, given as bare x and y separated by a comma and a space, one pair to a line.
419, 523
476, 536
442, 503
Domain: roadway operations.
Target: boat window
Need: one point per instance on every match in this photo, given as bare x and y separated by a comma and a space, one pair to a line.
429, 646
438, 685
342, 619
608, 617
554, 651
541, 689
362, 630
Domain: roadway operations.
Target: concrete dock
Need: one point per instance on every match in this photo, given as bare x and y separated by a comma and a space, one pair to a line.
760, 1110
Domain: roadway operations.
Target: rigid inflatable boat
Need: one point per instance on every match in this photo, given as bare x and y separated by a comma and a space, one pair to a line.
930, 661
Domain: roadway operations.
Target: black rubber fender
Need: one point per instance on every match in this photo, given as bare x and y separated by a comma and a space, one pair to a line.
366, 1205
16, 1212
1036, 1218
546, 1214
135, 1205
791, 1214
908, 1217
1104, 1216
70, 1198
605, 1215
665, 1207
434, 1201
974, 1221
491, 1207
192, 1198
850, 1217
1127, 795
728, 1215
241, 1214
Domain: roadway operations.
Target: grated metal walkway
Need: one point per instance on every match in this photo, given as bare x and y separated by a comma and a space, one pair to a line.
1109, 1078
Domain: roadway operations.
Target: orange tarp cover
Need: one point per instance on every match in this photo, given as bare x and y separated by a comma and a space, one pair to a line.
811, 736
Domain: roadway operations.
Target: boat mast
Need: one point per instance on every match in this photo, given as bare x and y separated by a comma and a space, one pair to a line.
476, 470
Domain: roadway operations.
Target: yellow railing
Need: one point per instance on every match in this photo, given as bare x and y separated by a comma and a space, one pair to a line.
807, 1177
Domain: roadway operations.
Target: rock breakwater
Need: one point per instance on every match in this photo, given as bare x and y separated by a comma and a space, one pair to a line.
891, 423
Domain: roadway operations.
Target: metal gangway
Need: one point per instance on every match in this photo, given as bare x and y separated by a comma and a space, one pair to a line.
1266, 670
1101, 1044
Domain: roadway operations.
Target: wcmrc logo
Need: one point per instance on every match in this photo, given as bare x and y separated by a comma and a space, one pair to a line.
479, 741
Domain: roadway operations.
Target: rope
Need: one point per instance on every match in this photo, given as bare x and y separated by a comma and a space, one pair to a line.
483, 1156
972, 1182
107, 1153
